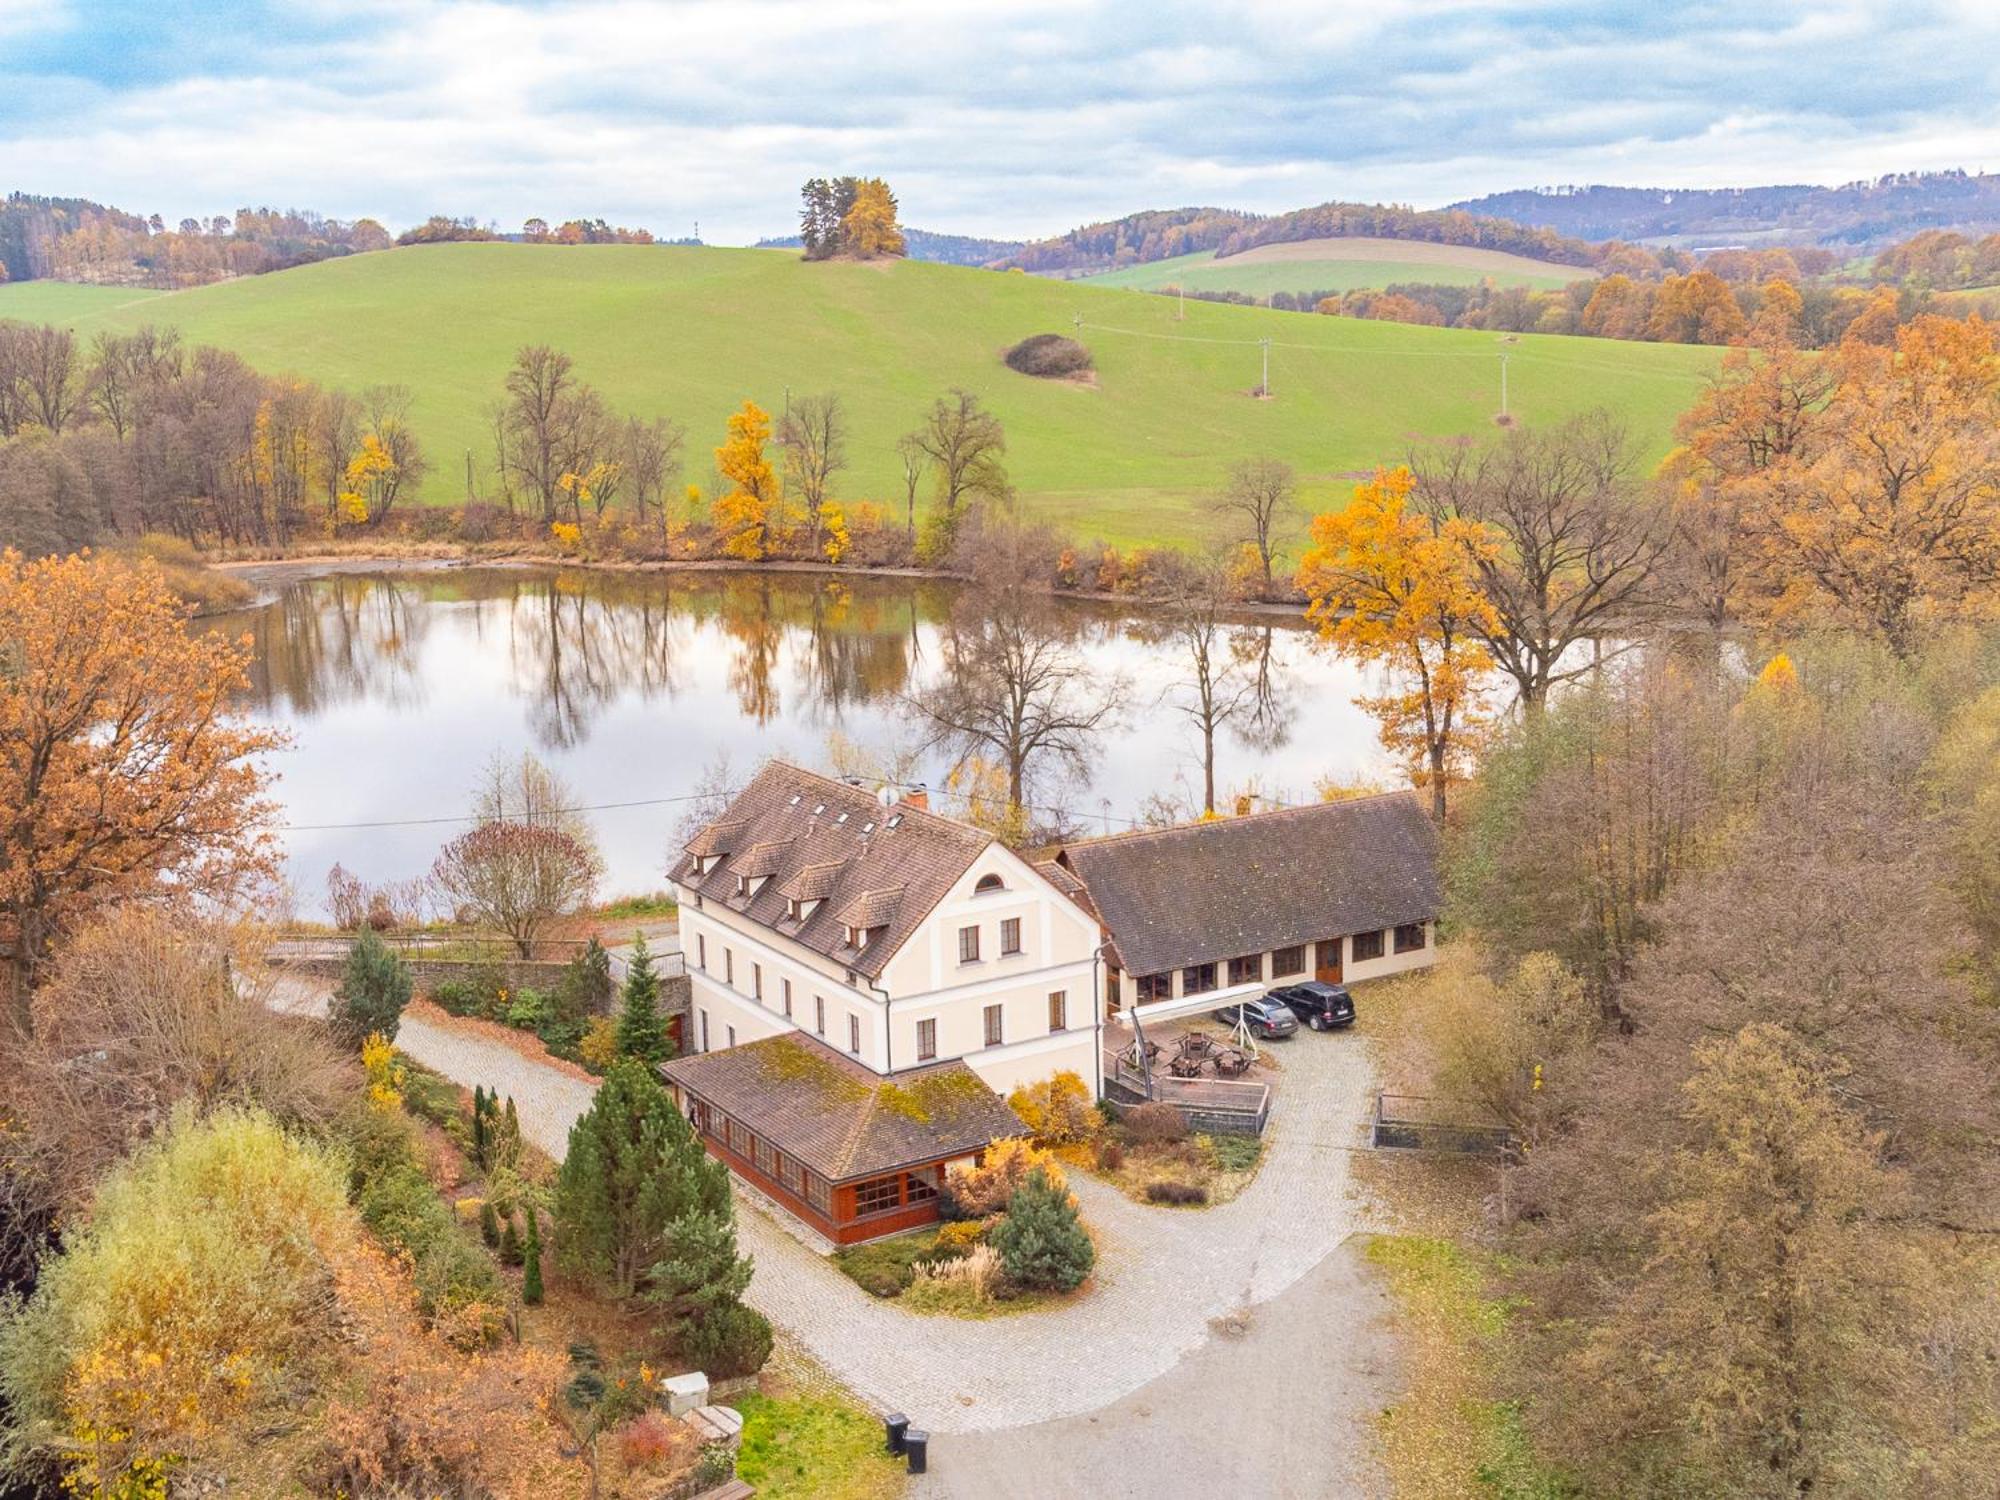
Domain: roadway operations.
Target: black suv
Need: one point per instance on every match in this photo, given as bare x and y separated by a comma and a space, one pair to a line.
1265, 1018
1321, 1006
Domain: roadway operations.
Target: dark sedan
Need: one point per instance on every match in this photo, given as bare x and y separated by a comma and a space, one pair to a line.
1265, 1018
1320, 1005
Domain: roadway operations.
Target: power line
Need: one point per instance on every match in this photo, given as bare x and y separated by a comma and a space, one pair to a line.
475, 818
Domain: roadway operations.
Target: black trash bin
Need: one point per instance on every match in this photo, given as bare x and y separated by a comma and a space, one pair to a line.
917, 1448
893, 1427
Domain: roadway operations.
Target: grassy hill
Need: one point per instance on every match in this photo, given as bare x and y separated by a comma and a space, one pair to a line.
691, 332
1339, 265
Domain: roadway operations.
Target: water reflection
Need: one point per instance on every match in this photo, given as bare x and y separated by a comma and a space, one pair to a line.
399, 686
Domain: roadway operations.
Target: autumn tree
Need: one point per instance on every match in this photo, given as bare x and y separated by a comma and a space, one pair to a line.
814, 437
1259, 498
551, 424
1563, 544
869, 229
124, 774
749, 511
964, 444
1389, 587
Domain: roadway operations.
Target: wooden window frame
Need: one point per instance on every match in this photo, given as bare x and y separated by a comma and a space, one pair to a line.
1151, 988
878, 1195
927, 1039
1418, 944
968, 944
1294, 957
1010, 937
1193, 977
1372, 941
1247, 968
994, 1019
1058, 1011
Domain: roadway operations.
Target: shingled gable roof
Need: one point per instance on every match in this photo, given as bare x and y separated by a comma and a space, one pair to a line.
839, 1118
879, 868
1212, 891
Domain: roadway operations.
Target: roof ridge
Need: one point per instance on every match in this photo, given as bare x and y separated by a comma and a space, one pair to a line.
909, 810
1133, 834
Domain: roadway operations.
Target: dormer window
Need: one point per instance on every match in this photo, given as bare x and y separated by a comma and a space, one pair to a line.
749, 885
703, 863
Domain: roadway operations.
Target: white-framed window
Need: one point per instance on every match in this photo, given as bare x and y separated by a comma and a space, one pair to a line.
996, 1032
926, 1040
854, 1033
1058, 1010
1010, 936
968, 945
788, 998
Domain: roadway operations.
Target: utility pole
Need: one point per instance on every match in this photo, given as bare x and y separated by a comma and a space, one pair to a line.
1264, 389
1076, 319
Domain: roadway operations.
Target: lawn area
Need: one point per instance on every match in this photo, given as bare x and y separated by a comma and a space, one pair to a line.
806, 1446
690, 333
1446, 1439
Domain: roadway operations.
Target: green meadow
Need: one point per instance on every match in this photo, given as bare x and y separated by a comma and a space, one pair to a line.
1339, 265
690, 333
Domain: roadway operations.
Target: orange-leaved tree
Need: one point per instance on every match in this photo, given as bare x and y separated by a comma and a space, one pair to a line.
1388, 586
749, 512
123, 772
870, 229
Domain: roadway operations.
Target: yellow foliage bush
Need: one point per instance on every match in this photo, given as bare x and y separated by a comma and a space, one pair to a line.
1058, 1110
599, 1047
985, 1188
385, 1074
962, 1234
567, 534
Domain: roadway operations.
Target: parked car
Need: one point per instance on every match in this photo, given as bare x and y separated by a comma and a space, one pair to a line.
1320, 1005
1265, 1017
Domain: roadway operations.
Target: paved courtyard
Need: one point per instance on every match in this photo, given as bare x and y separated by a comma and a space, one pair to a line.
1165, 1280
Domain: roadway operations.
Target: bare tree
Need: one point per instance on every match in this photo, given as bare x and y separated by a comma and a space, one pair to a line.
1014, 689
1220, 687
551, 425
916, 463
965, 443
1579, 538
1260, 497
385, 410
517, 877
814, 437
651, 453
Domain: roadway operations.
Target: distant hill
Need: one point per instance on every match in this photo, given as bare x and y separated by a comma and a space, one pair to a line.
1859, 215
1323, 266
922, 244
1140, 239
690, 333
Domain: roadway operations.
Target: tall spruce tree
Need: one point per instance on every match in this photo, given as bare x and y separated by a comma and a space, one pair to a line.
634, 1168
374, 988
642, 1030
531, 1249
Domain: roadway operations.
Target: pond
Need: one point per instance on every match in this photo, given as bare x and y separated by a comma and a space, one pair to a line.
398, 687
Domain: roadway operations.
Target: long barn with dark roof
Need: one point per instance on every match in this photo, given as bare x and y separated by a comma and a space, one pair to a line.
1339, 891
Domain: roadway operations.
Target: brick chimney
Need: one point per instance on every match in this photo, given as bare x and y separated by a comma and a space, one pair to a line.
916, 796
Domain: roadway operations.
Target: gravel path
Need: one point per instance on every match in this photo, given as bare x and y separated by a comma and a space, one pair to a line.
1165, 1278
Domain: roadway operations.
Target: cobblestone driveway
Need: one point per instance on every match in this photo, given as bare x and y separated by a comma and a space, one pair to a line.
1162, 1275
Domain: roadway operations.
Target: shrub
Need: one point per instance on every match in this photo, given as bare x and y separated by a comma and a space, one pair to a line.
585, 989
405, 1212
1110, 1156
728, 1341
1058, 1110
531, 1277
1155, 1124
1048, 356
183, 1311
1041, 1241
959, 1236
1173, 1190
652, 1440
977, 1191
489, 1224
453, 996
374, 988
598, 1049
1233, 1153
961, 1284
511, 1253
528, 1010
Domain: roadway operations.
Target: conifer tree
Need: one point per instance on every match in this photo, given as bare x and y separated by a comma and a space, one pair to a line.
633, 1168
374, 988
642, 1030
489, 1224
531, 1250
510, 1244
481, 1107
1041, 1241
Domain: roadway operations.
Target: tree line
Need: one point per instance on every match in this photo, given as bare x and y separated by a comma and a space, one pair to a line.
137, 433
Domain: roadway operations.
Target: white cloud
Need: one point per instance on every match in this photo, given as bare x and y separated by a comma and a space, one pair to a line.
1025, 116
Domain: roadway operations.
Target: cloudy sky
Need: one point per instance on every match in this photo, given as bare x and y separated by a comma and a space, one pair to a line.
1002, 117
